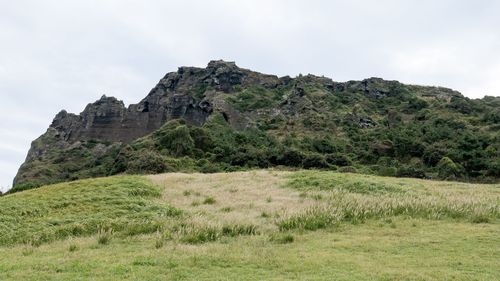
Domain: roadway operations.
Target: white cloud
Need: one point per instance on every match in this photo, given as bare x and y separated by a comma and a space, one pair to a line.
65, 54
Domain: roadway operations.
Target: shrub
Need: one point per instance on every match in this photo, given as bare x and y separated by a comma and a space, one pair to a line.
410, 171
291, 157
338, 160
178, 141
494, 168
433, 154
387, 171
448, 169
348, 169
314, 160
202, 139
146, 162
204, 166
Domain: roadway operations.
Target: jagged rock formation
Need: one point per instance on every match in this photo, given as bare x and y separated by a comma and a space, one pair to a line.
312, 106
108, 119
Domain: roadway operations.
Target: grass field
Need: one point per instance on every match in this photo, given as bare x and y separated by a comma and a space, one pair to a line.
256, 225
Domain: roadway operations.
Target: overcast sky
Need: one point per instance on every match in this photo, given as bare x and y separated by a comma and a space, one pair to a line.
64, 54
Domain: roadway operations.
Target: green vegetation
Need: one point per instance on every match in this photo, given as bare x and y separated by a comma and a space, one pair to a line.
356, 199
82, 208
256, 98
372, 127
318, 224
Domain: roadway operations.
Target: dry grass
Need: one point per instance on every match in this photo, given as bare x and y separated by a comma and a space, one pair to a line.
310, 200
239, 198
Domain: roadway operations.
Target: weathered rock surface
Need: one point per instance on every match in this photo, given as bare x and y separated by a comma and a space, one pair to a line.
109, 120
244, 98
191, 94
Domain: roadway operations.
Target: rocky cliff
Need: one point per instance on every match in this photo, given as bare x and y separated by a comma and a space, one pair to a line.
173, 97
285, 108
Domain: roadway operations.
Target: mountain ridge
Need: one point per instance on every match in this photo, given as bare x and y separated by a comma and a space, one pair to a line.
306, 106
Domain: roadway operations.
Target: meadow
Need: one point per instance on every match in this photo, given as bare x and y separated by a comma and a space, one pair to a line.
254, 225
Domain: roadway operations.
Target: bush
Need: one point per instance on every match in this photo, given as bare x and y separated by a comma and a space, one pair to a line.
387, 171
291, 157
449, 169
23, 187
202, 139
433, 154
410, 171
314, 160
348, 169
146, 162
178, 141
338, 160
494, 168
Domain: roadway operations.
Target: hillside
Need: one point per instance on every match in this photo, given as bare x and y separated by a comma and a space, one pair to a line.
226, 118
255, 225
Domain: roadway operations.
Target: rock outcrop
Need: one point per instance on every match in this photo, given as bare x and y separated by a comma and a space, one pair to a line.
191, 94
173, 97
88, 144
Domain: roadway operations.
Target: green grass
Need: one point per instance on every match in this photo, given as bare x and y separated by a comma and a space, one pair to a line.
356, 198
123, 203
360, 228
325, 181
434, 250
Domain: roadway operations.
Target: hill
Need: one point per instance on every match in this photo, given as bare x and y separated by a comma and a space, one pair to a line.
255, 225
226, 118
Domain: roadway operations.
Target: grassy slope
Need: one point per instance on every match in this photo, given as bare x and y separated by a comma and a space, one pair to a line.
365, 227
79, 208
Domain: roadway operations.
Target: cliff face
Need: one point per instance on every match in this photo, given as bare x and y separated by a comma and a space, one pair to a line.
191, 94
172, 98
361, 119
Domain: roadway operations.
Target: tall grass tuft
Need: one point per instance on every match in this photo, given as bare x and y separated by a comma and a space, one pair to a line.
344, 206
104, 236
282, 238
200, 232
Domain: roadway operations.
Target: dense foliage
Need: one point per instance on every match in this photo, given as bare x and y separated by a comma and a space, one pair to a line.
372, 126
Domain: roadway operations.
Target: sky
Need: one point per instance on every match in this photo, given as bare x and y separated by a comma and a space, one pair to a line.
58, 55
